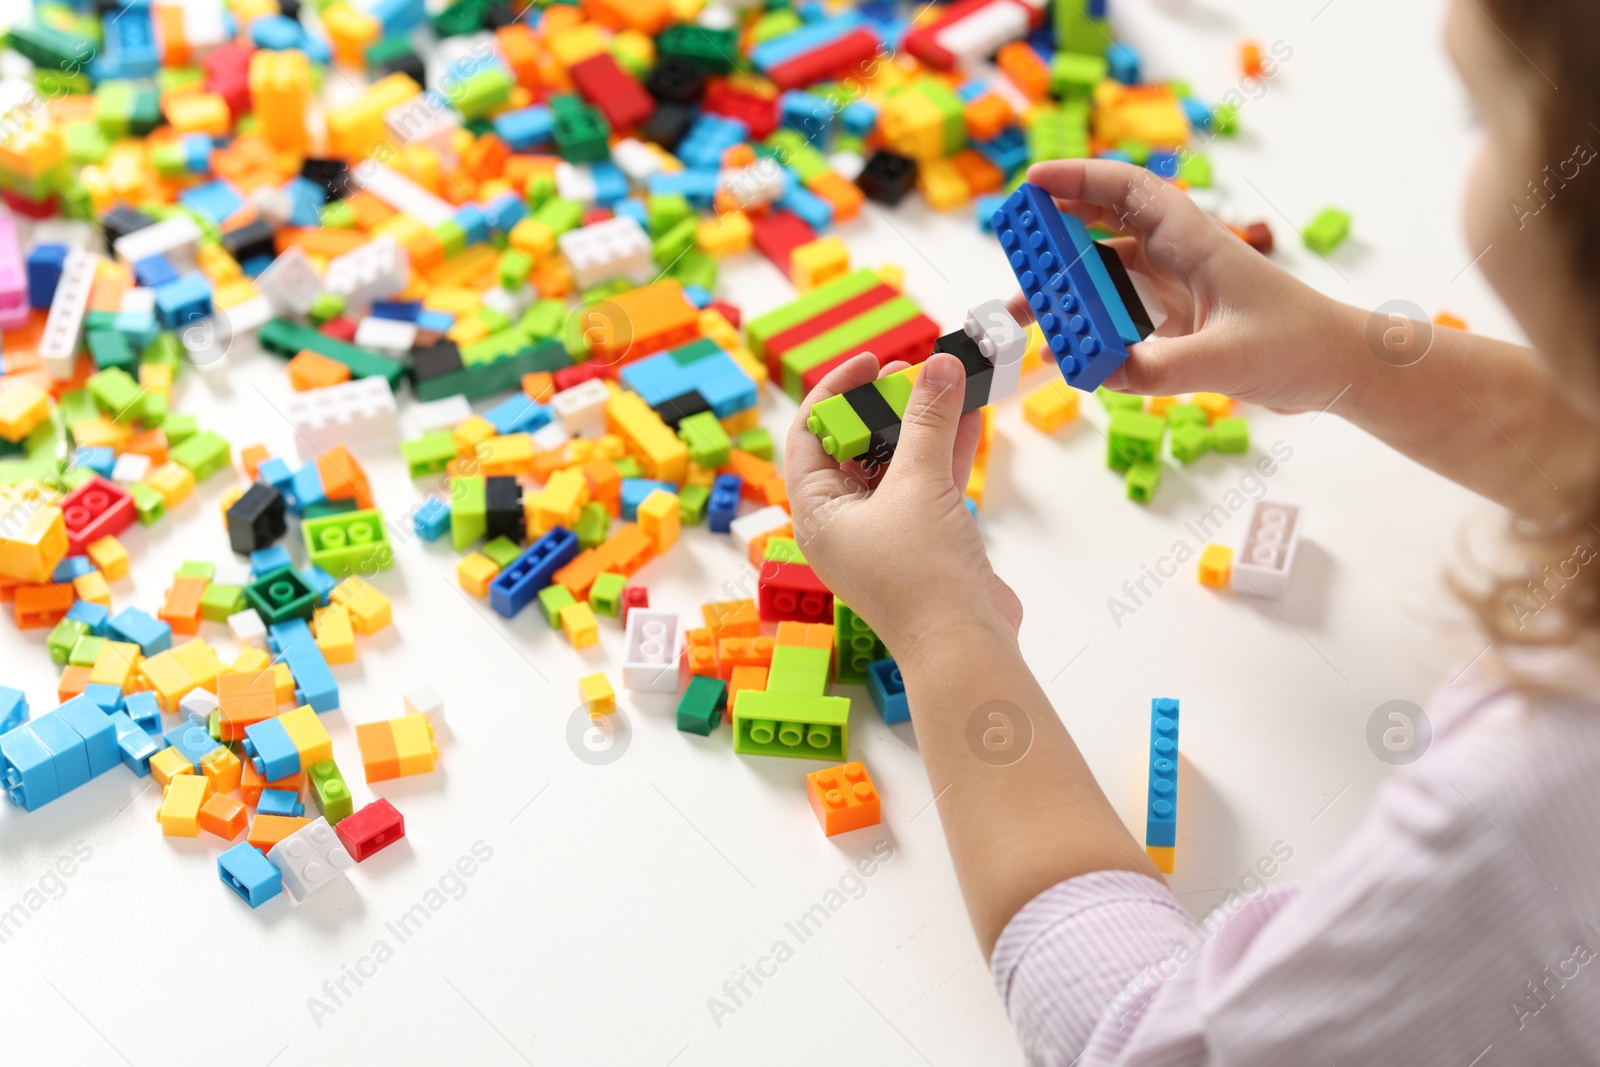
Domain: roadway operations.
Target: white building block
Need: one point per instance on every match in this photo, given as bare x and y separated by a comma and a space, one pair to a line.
248, 629
130, 468
576, 182
615, 248
177, 238
138, 301
309, 859
424, 701
650, 656
758, 185
350, 413
509, 302
581, 410
71, 234
549, 437
1261, 567
392, 337
746, 528
426, 120
291, 282
446, 413
63, 327
402, 194
246, 316
981, 33
197, 706
272, 203
635, 160
847, 165
1002, 340
375, 271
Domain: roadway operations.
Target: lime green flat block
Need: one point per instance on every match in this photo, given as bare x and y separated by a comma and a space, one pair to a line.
1115, 402
197, 568
1231, 435
1143, 479
353, 543
840, 429
502, 550
86, 651
895, 390
605, 595
783, 550
762, 329
1327, 231
708, 443
592, 525
221, 600
469, 511
429, 454
843, 338
552, 600
148, 504
331, 792
179, 428
64, 637
795, 725
1185, 415
799, 670
204, 454
757, 442
1190, 441
1133, 437
692, 501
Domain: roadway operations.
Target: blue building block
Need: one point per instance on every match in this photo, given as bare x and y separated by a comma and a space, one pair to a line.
634, 490
97, 617
130, 47
134, 746
321, 584
134, 626
699, 187
712, 373
197, 148
817, 212
504, 212
195, 742
724, 503
276, 473
1080, 331
776, 51
27, 769
139, 327
144, 710
306, 198
1197, 112
270, 751
859, 118
248, 873
809, 114
107, 698
431, 520
313, 680
13, 709
985, 207
526, 127
610, 184
708, 138
396, 310
71, 567
697, 295
216, 200
887, 690
438, 321
1123, 62
518, 413
153, 271
101, 459
291, 633
266, 560
305, 488
186, 300
1163, 164
280, 802
635, 209
473, 222
515, 587
68, 754
93, 725
44, 266
1007, 150
1161, 824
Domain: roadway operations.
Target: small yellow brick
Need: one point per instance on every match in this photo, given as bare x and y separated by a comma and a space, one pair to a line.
475, 571
1216, 566
179, 814
370, 610
173, 481
93, 588
818, 261
1050, 407
580, 625
597, 694
110, 557
168, 764
336, 635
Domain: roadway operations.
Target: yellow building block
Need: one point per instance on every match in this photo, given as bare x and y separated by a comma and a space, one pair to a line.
414, 746
280, 92
173, 481
199, 661
179, 814
468, 435
169, 764
597, 694
22, 409
1050, 407
157, 377
1033, 356
336, 635
506, 455
197, 113
565, 494
166, 678
370, 610
726, 235
893, 275
1215, 405
1216, 566
661, 455
580, 625
223, 770
912, 125
818, 261
577, 43
33, 540
942, 184
1149, 114
250, 660
31, 151
357, 128
308, 735
282, 683
115, 665
93, 588
716, 327
658, 518
978, 479
1164, 857
475, 571
350, 30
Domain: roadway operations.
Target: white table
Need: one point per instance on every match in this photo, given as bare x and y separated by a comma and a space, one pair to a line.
619, 898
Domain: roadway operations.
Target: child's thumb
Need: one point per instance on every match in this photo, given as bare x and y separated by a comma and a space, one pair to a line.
928, 430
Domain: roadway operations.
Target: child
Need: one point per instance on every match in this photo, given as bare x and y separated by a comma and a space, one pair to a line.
1461, 924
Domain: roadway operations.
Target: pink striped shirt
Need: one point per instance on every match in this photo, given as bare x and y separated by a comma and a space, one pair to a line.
1460, 927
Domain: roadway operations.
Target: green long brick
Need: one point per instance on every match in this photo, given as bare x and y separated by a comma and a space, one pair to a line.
286, 339
497, 375
764, 328
791, 724
847, 335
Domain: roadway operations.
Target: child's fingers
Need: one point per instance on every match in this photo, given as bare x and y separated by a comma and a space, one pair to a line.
812, 475
926, 449
1163, 366
968, 433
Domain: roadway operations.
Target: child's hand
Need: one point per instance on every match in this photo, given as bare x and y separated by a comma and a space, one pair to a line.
1236, 323
898, 546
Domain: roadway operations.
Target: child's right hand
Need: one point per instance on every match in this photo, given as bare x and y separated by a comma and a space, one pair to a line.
1236, 323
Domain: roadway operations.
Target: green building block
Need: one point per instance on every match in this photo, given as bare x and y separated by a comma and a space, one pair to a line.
628, 467
469, 511
1077, 30
797, 725
325, 508
1134, 437
76, 405
179, 428
706, 440
110, 349
1190, 441
63, 637
855, 645
1114, 402
700, 708
692, 501
353, 543
1143, 479
783, 550
330, 792
281, 595
765, 327
86, 652
798, 670
429, 454
664, 211
1225, 120
1231, 434
502, 550
840, 429
50, 48
712, 50
757, 442
1195, 169
552, 599
197, 568
204, 454
116, 394
1327, 231
843, 338
593, 524
695, 267
148, 504
221, 600
580, 130
1076, 73
481, 92
286, 339
1185, 415
605, 595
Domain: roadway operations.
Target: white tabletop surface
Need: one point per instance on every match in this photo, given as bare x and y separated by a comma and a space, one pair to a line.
607, 904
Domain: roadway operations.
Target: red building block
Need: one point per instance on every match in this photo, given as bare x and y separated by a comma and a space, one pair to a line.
836, 58
613, 90
634, 596
780, 344
727, 311
370, 830
577, 374
792, 592
778, 233
228, 75
94, 510
910, 341
340, 329
759, 113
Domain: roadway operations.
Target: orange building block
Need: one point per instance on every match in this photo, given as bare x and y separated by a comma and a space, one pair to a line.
251, 458
74, 680
735, 652
244, 700
732, 618
843, 798
223, 816
308, 370
641, 322
580, 574
267, 830
251, 783
845, 196
700, 652
740, 679
987, 116
981, 175
625, 551
41, 606
1250, 59
755, 471
182, 609
1019, 62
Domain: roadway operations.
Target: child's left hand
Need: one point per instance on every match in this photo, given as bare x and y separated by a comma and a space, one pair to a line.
898, 546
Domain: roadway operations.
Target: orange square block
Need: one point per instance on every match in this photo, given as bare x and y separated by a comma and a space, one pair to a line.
244, 700
843, 798
182, 609
267, 830
732, 618
735, 652
40, 606
224, 816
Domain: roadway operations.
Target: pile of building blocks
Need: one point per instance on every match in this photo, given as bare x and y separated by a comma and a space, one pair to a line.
513, 280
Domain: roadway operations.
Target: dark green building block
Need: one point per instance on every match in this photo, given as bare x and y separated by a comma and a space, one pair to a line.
281, 595
709, 49
700, 707
284, 338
